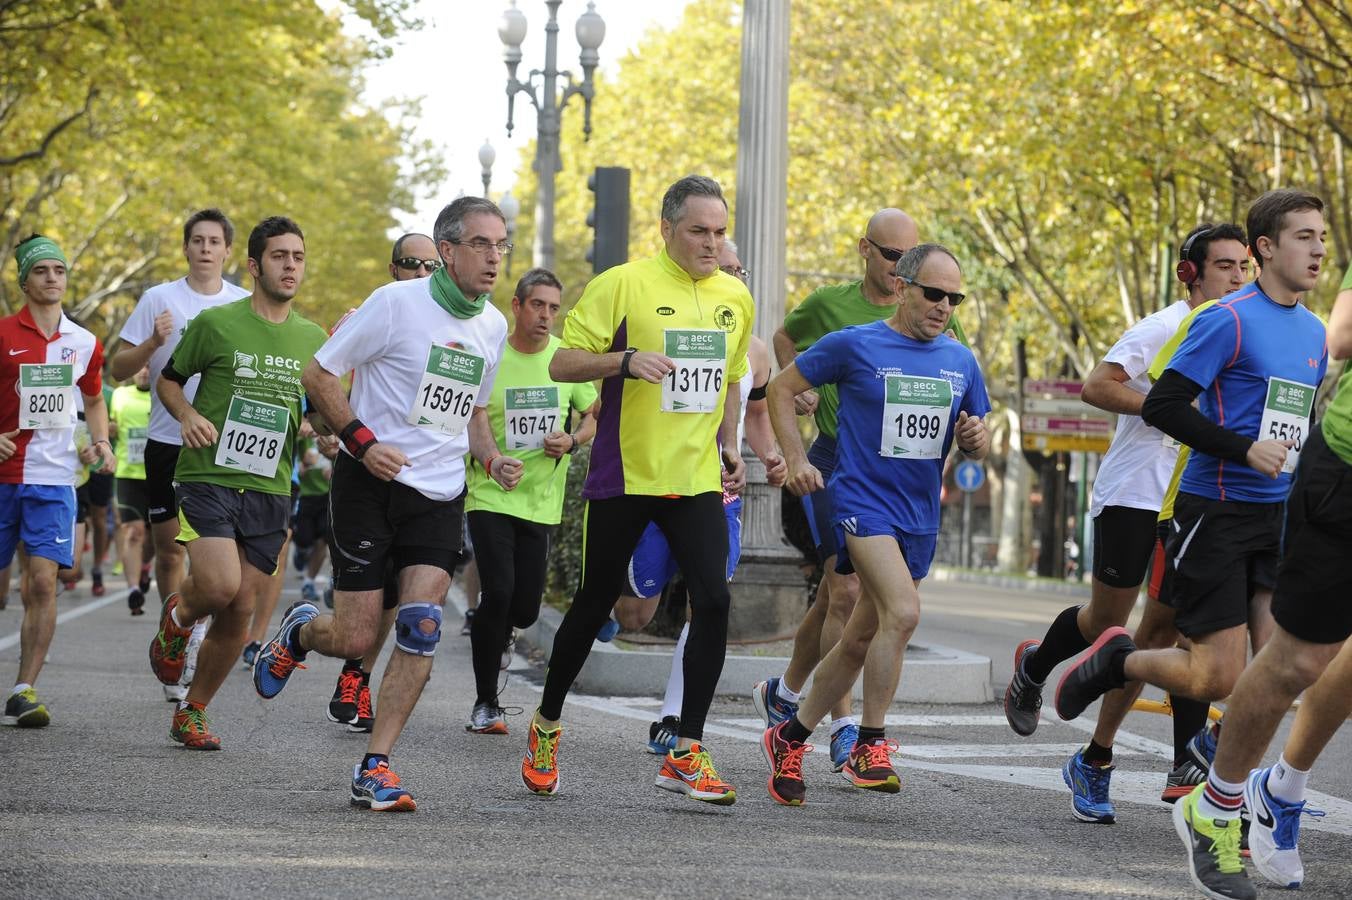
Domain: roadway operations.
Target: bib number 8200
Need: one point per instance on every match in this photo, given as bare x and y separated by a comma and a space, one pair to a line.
47, 403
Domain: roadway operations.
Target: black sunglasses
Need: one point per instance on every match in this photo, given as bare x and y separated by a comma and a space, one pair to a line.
891, 254
411, 263
937, 295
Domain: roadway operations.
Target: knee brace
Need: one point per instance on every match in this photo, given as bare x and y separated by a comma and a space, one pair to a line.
408, 633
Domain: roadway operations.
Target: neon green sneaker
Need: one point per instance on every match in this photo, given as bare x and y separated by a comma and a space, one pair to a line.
1213, 851
23, 710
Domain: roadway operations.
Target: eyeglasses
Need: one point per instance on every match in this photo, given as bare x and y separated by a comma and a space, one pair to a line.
891, 254
736, 272
412, 263
481, 245
937, 295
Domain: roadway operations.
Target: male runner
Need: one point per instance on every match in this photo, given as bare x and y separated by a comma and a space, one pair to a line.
46, 358
668, 335
529, 412
234, 472
1125, 507
424, 355
129, 418
311, 531
907, 393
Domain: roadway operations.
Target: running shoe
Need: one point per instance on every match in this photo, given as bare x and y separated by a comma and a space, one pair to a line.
842, 742
1182, 779
191, 728
300, 556
366, 719
774, 709
199, 634
1274, 831
1213, 851
250, 653
540, 768
96, 586
24, 710
343, 706
136, 601
869, 766
609, 628
1023, 696
1201, 747
662, 735
309, 593
487, 718
144, 583
275, 661
175, 693
1088, 785
692, 773
1090, 676
169, 646
378, 790
507, 651
786, 766
468, 624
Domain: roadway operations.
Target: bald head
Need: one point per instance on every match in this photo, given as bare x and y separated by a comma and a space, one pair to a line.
893, 228
889, 234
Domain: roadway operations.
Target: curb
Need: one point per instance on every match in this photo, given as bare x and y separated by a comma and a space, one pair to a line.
1009, 582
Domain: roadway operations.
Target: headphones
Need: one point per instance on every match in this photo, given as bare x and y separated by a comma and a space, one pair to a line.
1188, 271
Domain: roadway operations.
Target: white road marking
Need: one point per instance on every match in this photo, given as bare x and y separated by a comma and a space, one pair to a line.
12, 639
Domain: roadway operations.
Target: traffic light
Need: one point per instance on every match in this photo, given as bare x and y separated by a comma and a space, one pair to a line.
610, 217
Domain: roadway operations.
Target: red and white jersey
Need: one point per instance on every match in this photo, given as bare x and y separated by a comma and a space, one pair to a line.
44, 455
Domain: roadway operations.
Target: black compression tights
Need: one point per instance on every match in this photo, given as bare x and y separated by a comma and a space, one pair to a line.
511, 554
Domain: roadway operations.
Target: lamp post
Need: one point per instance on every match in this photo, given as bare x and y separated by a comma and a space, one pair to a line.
486, 157
511, 208
549, 102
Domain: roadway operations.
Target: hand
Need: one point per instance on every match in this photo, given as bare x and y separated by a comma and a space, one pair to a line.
776, 470
651, 367
306, 430
109, 458
164, 328
506, 471
7, 445
805, 404
971, 434
557, 443
384, 461
804, 478
734, 473
197, 431
328, 444
1268, 457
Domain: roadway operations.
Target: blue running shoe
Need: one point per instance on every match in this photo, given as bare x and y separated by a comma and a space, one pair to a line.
607, 632
662, 735
275, 661
1201, 747
378, 790
1089, 790
1274, 832
773, 708
309, 592
842, 742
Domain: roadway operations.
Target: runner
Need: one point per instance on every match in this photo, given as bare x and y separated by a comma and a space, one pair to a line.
927, 392
1256, 358
668, 335
234, 472
311, 532
424, 355
529, 413
47, 359
1125, 506
129, 420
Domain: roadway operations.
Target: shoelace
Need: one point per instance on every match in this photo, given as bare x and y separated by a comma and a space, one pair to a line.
1287, 831
349, 685
195, 720
1097, 778
382, 775
363, 702
546, 748
283, 663
791, 764
879, 755
1027, 695
1225, 847
704, 764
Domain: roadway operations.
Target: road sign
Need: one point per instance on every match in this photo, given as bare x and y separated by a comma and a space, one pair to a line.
970, 475
1055, 418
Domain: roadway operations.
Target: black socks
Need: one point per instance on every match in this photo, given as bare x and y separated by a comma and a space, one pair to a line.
1063, 640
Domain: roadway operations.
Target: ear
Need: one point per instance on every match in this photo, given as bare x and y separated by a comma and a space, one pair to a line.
668, 230
863, 248
1264, 243
254, 269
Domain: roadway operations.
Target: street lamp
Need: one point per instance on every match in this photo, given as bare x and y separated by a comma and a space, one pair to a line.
486, 156
511, 208
549, 102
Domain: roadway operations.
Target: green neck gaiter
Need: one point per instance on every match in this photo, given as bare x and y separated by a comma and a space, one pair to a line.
450, 298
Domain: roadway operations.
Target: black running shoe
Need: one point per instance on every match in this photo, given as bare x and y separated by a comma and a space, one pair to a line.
1091, 675
136, 601
1023, 697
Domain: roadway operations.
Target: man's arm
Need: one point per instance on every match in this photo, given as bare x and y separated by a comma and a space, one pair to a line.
1169, 408
572, 364
558, 443
505, 470
325, 390
1106, 388
586, 428
96, 418
760, 435
129, 360
734, 478
197, 431
1340, 326
786, 351
803, 478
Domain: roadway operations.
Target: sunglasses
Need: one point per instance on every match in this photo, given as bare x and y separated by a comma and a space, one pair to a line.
736, 272
411, 264
937, 295
891, 254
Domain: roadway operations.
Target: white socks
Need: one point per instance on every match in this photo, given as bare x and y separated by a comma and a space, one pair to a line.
786, 694
675, 695
1287, 783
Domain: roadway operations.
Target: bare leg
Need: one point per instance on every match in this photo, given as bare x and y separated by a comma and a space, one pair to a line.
227, 635
76, 571
269, 593
98, 524
1327, 705
1156, 631
634, 613
131, 537
469, 578
406, 674
1207, 672
807, 641
38, 592
843, 596
170, 557
318, 554
368, 662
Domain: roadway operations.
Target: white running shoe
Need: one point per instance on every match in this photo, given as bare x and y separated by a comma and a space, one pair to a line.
1274, 831
175, 693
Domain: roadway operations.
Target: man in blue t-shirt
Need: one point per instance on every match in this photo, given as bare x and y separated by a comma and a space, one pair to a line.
1256, 359
908, 392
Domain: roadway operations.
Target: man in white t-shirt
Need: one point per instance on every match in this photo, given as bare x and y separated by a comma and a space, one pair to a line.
424, 354
149, 338
1125, 504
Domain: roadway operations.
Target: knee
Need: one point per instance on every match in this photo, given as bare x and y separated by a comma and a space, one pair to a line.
903, 621
855, 646
41, 588
417, 628
844, 596
1216, 683
352, 645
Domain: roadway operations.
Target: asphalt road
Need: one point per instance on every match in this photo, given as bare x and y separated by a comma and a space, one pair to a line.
103, 804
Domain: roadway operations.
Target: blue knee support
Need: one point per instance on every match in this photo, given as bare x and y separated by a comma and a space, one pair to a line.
408, 633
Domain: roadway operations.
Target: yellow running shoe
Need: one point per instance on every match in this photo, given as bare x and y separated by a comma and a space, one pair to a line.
692, 773
540, 768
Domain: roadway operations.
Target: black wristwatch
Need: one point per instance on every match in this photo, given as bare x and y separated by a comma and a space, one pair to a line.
624, 363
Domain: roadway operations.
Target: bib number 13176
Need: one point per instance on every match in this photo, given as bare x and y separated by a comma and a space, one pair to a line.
700, 356
916, 413
445, 396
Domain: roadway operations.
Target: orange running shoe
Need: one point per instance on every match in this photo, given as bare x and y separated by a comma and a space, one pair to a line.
191, 729
870, 767
692, 773
169, 646
540, 768
786, 765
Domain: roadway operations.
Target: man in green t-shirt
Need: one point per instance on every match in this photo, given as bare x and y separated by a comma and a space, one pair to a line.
233, 480
129, 419
529, 413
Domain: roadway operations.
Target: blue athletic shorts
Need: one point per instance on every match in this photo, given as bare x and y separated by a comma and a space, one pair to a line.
43, 517
817, 505
652, 564
918, 549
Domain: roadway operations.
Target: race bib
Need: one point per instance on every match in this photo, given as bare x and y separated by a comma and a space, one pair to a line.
47, 396
701, 357
252, 437
916, 412
530, 413
445, 397
136, 446
1286, 416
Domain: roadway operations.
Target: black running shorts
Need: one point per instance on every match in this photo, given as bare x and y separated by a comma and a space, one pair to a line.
311, 523
161, 460
252, 519
132, 500
100, 489
1123, 540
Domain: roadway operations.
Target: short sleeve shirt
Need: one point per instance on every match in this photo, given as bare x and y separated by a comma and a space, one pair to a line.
864, 361
130, 409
